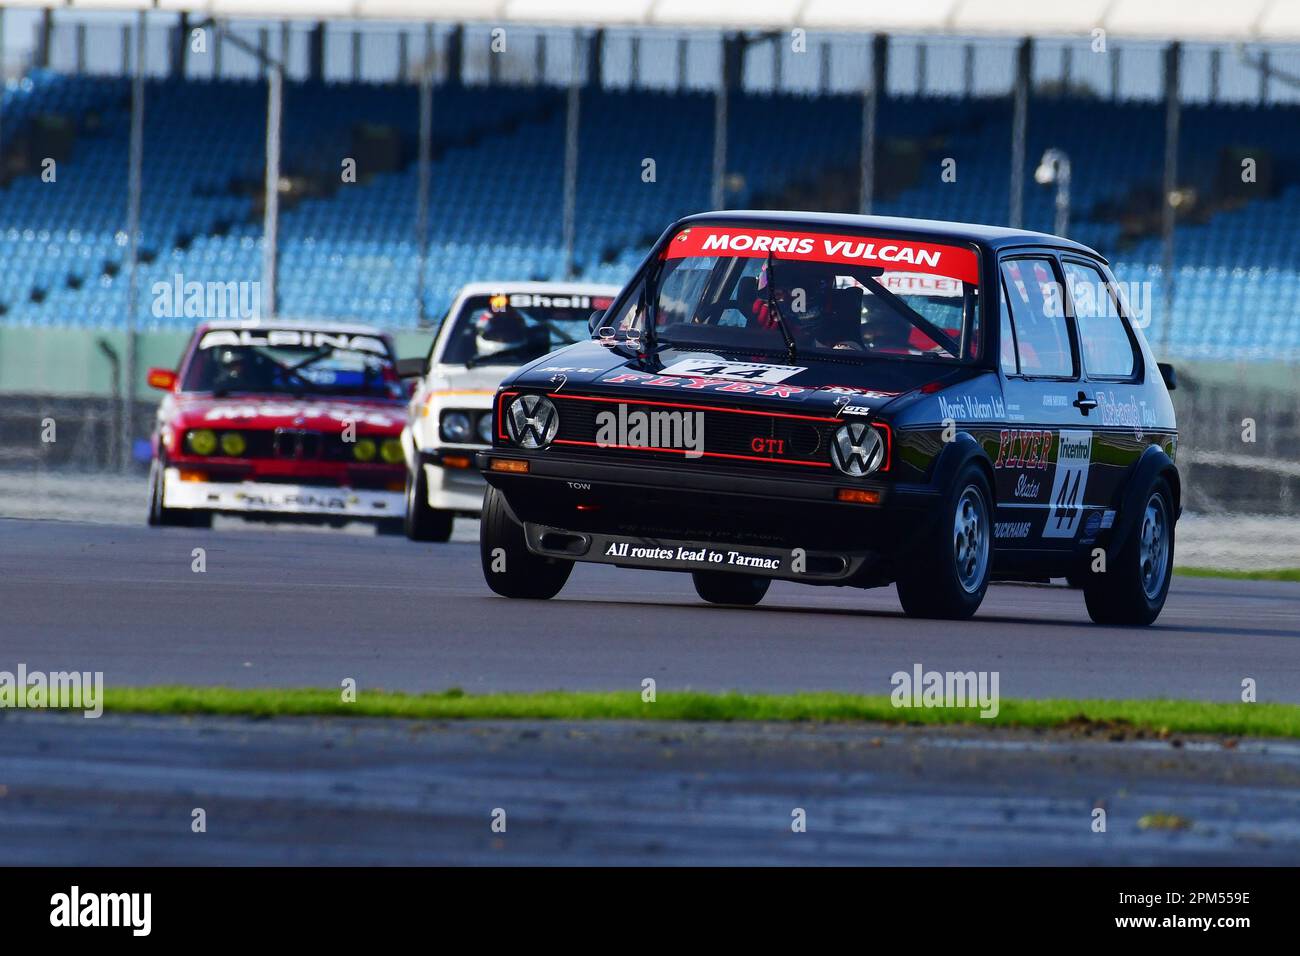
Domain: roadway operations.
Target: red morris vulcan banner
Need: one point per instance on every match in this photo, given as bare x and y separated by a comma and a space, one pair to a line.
954, 262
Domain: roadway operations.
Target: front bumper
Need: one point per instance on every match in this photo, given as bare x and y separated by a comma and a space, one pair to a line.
266, 497
795, 564
696, 506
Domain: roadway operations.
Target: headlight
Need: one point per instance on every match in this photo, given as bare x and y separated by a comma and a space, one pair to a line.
532, 421
456, 427
202, 442
391, 451
233, 444
857, 449
364, 449
485, 428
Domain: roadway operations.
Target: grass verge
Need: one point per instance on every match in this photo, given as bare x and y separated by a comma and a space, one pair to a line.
1278, 574
1116, 717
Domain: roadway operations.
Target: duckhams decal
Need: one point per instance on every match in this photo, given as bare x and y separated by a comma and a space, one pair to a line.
1065, 507
953, 262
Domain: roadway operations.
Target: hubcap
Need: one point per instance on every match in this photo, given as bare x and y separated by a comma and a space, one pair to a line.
1153, 546
970, 546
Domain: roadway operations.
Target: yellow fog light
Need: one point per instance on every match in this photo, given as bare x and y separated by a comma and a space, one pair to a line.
233, 444
364, 450
202, 442
391, 451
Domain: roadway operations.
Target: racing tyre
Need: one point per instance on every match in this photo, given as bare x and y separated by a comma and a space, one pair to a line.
509, 568
948, 575
1133, 588
171, 517
719, 587
422, 522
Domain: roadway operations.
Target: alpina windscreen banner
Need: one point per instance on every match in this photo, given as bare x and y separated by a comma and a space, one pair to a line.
953, 262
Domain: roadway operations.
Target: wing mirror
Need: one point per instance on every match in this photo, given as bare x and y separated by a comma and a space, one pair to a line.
1169, 375
410, 368
163, 379
594, 320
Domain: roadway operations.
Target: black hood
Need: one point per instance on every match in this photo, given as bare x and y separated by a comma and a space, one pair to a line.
814, 382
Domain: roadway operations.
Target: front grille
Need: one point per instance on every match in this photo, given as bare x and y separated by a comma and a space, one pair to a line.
742, 437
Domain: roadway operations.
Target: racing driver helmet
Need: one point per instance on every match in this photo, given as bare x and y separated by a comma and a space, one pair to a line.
804, 292
499, 331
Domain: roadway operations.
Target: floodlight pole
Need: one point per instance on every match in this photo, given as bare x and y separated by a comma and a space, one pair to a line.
126, 420
1054, 169
425, 170
1019, 122
274, 113
1173, 62
271, 199
870, 110
571, 120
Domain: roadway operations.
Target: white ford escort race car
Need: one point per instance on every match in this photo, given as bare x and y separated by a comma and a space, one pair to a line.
491, 329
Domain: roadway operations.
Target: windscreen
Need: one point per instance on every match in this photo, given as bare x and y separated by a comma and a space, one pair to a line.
292, 362
850, 295
512, 329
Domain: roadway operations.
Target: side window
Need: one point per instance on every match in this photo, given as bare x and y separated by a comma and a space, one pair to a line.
1038, 315
1008, 339
1107, 348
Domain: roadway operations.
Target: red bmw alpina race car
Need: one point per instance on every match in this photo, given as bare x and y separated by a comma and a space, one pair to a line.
280, 421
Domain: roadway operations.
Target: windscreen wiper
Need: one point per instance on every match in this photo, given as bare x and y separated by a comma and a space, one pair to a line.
775, 309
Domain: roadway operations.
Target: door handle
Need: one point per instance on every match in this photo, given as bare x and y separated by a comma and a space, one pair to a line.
1084, 403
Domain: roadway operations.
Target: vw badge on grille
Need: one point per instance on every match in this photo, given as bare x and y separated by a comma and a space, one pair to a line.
857, 449
532, 421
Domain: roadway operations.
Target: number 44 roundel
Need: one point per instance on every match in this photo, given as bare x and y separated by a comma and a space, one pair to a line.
1073, 456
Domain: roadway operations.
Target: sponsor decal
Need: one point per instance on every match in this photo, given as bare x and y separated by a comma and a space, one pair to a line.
685, 554
739, 371
535, 300
853, 390
295, 500
1011, 529
1026, 487
953, 262
1092, 526
1069, 484
701, 384
916, 283
1056, 401
342, 415
1107, 519
1024, 448
1131, 414
293, 338
856, 410
971, 407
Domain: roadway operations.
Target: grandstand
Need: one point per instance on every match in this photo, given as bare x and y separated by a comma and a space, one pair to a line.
496, 207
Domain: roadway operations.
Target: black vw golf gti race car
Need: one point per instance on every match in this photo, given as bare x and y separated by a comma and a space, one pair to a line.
846, 400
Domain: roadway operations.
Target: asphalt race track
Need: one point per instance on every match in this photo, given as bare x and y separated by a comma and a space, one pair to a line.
302, 608
123, 790
305, 608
